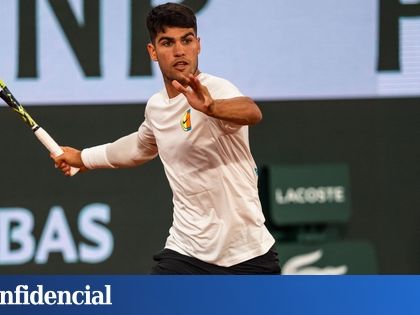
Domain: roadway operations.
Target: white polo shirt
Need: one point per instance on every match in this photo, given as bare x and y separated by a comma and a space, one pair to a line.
217, 214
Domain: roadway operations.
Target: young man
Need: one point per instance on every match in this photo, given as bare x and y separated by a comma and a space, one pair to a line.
198, 126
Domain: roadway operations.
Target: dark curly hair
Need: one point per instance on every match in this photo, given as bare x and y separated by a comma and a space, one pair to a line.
172, 15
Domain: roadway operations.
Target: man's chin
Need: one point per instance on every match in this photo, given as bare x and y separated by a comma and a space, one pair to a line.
182, 77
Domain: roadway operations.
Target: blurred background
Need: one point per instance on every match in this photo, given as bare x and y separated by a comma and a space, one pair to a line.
338, 83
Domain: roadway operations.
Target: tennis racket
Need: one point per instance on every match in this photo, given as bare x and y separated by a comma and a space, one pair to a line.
39, 132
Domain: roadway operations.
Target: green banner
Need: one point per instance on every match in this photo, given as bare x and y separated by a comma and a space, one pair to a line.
308, 194
331, 258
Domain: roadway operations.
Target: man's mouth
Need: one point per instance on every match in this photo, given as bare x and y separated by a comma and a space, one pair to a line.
180, 65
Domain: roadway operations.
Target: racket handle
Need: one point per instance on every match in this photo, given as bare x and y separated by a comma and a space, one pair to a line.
52, 146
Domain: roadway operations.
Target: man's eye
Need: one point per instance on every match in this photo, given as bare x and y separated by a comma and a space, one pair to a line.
166, 44
187, 40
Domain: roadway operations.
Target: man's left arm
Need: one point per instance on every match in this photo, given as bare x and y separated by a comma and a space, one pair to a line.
238, 110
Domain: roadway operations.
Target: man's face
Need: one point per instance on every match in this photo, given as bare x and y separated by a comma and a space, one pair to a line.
176, 50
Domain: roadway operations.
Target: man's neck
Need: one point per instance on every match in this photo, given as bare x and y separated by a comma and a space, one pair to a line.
170, 89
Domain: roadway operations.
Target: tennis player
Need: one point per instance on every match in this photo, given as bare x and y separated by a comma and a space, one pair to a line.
198, 125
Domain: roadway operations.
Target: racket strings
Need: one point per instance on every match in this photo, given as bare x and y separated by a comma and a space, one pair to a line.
25, 116
10, 100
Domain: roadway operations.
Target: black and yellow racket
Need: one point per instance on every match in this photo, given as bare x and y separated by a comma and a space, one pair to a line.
39, 132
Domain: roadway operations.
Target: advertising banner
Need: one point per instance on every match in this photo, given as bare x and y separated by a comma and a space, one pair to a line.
299, 194
296, 295
327, 258
92, 51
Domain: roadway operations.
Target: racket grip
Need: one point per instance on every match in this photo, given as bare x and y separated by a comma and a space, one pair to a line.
52, 146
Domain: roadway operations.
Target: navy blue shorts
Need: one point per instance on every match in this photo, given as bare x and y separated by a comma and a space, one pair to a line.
169, 262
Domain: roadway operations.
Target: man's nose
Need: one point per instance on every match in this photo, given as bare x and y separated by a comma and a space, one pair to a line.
178, 49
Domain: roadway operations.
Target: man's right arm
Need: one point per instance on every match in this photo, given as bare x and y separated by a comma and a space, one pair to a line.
128, 151
131, 150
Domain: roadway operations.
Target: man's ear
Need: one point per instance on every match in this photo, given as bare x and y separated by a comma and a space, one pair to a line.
199, 44
152, 51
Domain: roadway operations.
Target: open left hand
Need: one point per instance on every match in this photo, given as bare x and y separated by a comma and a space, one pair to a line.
198, 96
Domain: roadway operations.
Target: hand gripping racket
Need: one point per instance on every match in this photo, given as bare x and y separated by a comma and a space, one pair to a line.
40, 133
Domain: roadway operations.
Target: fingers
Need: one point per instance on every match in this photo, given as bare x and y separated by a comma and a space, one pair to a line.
60, 157
58, 160
179, 87
191, 81
67, 170
64, 167
195, 84
69, 158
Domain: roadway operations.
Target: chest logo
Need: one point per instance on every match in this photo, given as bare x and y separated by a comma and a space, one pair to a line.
186, 120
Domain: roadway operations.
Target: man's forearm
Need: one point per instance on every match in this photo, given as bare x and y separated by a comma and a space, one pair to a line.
124, 152
239, 110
